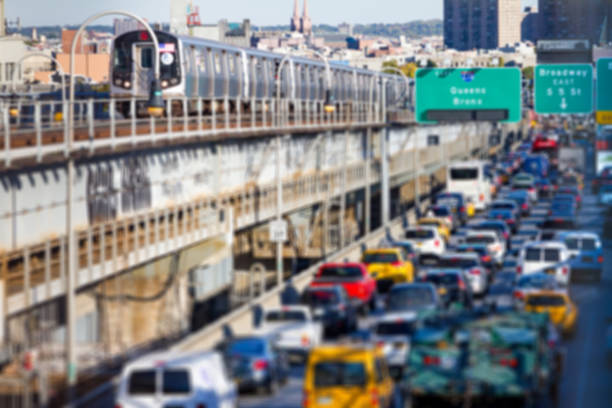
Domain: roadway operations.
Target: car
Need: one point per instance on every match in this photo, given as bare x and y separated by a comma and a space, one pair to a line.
533, 221
534, 283
333, 308
523, 236
354, 278
183, 379
452, 285
525, 181
550, 257
478, 276
573, 191
558, 222
521, 198
604, 196
572, 180
426, 240
438, 223
392, 332
500, 294
499, 226
294, 329
483, 252
415, 297
407, 248
458, 204
586, 254
446, 214
495, 245
255, 364
564, 202
388, 266
604, 178
509, 217
509, 264
505, 204
559, 307
536, 165
347, 375
546, 189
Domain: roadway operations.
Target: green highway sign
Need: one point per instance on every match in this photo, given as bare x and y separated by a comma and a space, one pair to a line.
563, 88
466, 94
604, 91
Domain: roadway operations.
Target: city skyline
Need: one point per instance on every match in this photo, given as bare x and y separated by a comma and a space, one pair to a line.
264, 12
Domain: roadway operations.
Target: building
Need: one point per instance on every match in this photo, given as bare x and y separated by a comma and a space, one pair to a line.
576, 19
301, 24
529, 25
124, 25
481, 24
345, 28
238, 34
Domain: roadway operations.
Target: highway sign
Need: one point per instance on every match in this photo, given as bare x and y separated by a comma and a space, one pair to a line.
278, 231
604, 91
563, 89
467, 94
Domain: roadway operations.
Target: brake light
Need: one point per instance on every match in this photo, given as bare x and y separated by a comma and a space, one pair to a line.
481, 197
519, 295
462, 209
374, 397
531, 189
305, 399
519, 269
475, 271
259, 365
396, 263
600, 259
486, 258
509, 362
578, 198
524, 206
431, 360
509, 221
436, 243
565, 270
462, 284
380, 343
305, 341
505, 234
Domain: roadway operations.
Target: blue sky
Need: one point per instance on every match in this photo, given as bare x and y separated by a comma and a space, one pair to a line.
261, 12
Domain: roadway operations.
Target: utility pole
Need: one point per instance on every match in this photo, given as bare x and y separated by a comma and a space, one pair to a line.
279, 211
384, 162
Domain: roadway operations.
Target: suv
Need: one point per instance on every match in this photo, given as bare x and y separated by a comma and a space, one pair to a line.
426, 240
550, 257
496, 246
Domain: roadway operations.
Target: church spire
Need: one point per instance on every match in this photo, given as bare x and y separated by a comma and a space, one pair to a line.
306, 22
295, 19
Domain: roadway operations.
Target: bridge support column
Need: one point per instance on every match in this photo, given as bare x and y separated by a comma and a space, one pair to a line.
384, 183
417, 173
368, 188
279, 211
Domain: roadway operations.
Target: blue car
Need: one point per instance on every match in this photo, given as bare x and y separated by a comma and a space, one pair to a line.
521, 198
604, 197
506, 216
482, 251
586, 254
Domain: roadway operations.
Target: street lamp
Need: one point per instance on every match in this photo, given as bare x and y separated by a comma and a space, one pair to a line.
14, 111
71, 367
329, 105
407, 86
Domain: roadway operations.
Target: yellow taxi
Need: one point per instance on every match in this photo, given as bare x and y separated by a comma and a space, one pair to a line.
559, 307
388, 264
470, 209
348, 376
438, 223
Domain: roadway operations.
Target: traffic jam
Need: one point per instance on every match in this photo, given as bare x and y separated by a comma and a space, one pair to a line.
470, 306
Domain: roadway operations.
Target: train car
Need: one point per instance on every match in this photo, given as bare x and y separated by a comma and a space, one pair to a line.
228, 77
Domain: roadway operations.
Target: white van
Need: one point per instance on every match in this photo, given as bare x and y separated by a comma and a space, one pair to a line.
549, 257
469, 179
188, 380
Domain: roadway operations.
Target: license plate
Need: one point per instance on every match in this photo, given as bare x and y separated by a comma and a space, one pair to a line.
587, 259
550, 271
447, 362
324, 400
419, 244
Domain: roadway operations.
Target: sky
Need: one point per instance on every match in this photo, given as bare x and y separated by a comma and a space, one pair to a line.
261, 12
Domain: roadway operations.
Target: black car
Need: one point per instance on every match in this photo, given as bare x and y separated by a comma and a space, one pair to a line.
255, 364
333, 308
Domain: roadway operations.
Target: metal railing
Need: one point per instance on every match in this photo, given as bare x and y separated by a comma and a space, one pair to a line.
40, 128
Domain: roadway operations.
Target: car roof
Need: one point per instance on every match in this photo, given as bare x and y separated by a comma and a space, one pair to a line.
170, 359
546, 244
476, 233
385, 250
422, 227
579, 234
460, 255
444, 271
395, 316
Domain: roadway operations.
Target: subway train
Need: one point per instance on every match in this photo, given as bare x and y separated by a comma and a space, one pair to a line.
197, 68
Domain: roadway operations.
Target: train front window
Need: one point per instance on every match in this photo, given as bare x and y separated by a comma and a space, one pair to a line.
123, 57
146, 57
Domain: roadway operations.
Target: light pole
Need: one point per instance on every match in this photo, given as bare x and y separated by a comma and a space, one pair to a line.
329, 104
154, 101
60, 70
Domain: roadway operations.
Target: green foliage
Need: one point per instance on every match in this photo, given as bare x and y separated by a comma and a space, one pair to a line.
528, 73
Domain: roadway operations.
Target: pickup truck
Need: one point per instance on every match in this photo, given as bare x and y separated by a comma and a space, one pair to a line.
293, 328
354, 278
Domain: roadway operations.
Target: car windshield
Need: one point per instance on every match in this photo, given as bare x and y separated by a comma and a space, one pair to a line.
321, 298
447, 200
532, 254
503, 206
464, 174
339, 373
447, 279
458, 263
542, 300
572, 243
409, 298
589, 244
441, 211
286, 316
380, 257
480, 239
419, 234
247, 346
395, 328
552, 255
341, 272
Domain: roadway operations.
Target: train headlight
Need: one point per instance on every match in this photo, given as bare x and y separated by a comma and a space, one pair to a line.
127, 84
164, 84
118, 81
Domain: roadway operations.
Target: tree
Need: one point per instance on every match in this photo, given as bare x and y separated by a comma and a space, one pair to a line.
392, 64
409, 69
431, 64
528, 73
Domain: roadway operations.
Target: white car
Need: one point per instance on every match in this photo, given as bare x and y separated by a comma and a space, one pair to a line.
190, 380
549, 257
392, 332
478, 276
495, 245
293, 327
425, 240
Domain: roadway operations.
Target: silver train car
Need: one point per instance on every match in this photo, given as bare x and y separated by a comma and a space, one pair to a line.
197, 68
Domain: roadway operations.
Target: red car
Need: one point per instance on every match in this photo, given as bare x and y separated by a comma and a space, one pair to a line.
353, 277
